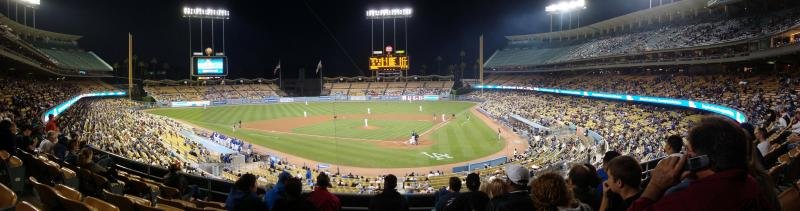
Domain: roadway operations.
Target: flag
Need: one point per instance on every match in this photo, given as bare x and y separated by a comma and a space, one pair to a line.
275, 72
319, 66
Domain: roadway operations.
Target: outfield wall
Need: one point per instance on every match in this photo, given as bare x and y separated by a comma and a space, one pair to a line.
276, 99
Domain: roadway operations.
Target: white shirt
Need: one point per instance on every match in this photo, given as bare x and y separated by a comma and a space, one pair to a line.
763, 147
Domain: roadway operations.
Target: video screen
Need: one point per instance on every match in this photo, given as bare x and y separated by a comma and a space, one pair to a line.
209, 66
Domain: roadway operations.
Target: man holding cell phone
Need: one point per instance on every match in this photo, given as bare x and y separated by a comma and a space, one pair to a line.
716, 158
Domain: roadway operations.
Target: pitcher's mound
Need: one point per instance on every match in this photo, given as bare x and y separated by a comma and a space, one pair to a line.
368, 127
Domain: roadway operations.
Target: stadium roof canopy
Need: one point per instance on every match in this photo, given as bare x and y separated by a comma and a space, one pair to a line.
36, 33
635, 19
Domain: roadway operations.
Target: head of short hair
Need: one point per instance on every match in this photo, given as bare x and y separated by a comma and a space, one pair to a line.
389, 182
473, 182
675, 142
722, 140
6, 125
610, 155
626, 169
549, 191
86, 155
582, 176
245, 182
455, 184
323, 180
294, 187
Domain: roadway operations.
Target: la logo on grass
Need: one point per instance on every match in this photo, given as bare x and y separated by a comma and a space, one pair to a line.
438, 156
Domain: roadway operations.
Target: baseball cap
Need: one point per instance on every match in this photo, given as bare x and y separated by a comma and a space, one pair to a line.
517, 174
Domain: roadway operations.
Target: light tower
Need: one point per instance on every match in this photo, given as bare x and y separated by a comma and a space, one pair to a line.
205, 61
562, 7
389, 59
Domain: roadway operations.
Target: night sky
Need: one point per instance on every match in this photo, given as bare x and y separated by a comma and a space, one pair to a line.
261, 32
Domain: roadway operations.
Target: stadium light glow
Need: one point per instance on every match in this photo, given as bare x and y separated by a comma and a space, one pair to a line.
198, 12
566, 6
390, 13
31, 2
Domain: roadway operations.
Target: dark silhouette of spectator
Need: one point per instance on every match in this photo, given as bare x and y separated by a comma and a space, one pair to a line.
8, 140
25, 139
472, 200
175, 179
321, 198
583, 182
389, 199
674, 145
517, 196
293, 200
447, 198
549, 192
602, 173
243, 195
278, 191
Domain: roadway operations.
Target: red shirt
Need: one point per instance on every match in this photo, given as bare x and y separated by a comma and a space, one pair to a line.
727, 190
51, 125
324, 200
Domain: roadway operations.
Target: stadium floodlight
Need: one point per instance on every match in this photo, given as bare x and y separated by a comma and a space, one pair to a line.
566, 6
30, 2
198, 12
390, 13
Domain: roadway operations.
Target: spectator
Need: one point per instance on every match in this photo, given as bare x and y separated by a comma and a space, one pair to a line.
495, 188
389, 199
49, 142
174, 179
72, 154
293, 200
86, 161
321, 198
602, 173
52, 123
472, 200
583, 182
549, 192
278, 191
8, 132
674, 145
622, 186
722, 183
25, 140
761, 141
243, 195
517, 197
448, 197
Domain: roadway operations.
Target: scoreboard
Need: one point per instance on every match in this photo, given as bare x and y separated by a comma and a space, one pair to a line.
388, 62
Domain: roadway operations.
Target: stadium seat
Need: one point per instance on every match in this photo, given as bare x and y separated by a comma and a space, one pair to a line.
47, 195
26, 206
121, 202
7, 197
167, 208
138, 200
175, 202
16, 174
212, 204
790, 198
100, 204
68, 192
74, 205
69, 177
169, 192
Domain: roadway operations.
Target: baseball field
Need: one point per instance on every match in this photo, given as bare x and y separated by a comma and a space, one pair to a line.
357, 134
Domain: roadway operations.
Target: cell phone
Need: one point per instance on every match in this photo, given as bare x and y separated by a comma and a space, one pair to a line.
697, 163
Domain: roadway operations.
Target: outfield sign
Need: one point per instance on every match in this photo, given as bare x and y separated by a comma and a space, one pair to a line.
710, 107
431, 97
286, 100
179, 104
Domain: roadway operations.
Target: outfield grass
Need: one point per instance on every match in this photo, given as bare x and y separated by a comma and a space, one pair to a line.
461, 139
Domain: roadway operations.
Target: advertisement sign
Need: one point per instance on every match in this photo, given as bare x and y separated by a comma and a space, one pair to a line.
57, 110
189, 104
286, 100
388, 62
431, 97
358, 98
412, 97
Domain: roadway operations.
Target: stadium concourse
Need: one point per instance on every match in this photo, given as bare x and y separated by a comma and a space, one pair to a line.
105, 153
